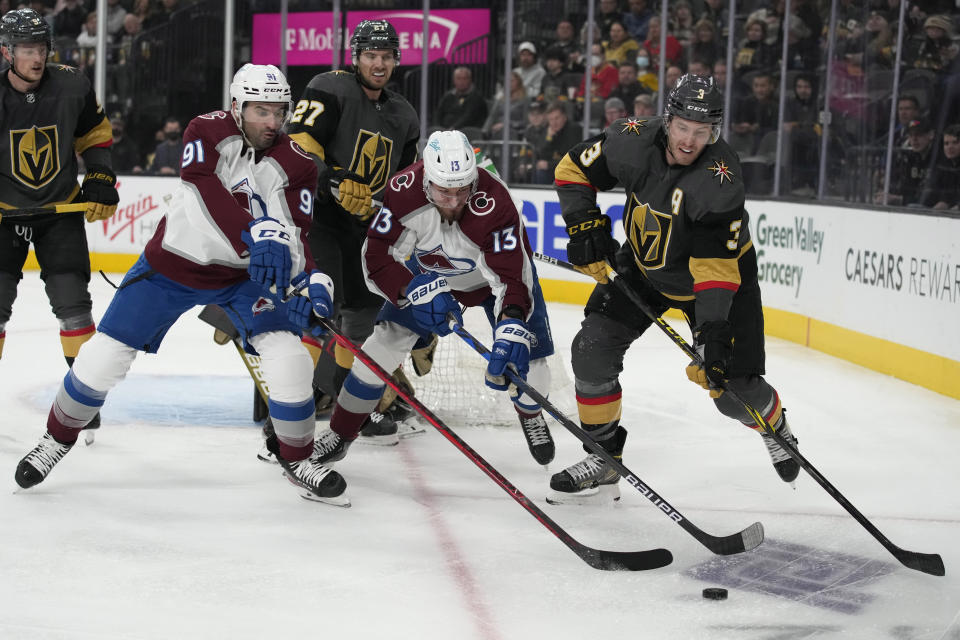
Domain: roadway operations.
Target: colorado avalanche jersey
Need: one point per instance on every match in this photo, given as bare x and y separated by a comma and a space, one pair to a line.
224, 185
485, 251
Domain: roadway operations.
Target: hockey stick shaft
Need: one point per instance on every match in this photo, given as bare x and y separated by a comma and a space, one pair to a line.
219, 320
596, 558
930, 563
29, 212
725, 545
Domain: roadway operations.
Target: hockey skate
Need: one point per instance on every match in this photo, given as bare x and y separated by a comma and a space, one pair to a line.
539, 440
90, 431
316, 481
379, 429
329, 447
268, 452
786, 467
36, 465
592, 480
405, 418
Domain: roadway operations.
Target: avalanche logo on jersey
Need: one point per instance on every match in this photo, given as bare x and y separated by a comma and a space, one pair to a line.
371, 158
436, 260
262, 305
35, 155
245, 196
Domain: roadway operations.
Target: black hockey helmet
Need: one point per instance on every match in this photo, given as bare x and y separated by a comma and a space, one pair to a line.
696, 98
375, 34
25, 25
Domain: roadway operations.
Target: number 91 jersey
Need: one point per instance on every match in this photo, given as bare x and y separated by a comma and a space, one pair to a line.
485, 251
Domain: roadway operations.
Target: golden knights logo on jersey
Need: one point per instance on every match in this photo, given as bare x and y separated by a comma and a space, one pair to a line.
34, 155
371, 158
648, 232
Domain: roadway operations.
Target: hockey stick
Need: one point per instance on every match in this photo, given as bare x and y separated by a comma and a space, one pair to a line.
930, 563
596, 558
30, 212
226, 332
739, 542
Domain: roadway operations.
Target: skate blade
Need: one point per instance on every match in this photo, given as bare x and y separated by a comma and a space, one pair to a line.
391, 440
603, 495
407, 430
266, 456
89, 437
337, 501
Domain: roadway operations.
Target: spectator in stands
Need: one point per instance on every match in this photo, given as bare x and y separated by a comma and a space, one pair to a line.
166, 157
115, 15
161, 15
908, 110
530, 72
534, 135
144, 10
493, 127
878, 52
644, 106
555, 83
706, 45
566, 42
912, 165
720, 79
608, 12
604, 77
673, 73
645, 75
562, 135
801, 124
628, 87
754, 54
462, 106
682, 24
716, 13
613, 110
88, 34
125, 152
620, 47
674, 52
942, 189
68, 18
756, 115
936, 50
699, 68
802, 52
637, 18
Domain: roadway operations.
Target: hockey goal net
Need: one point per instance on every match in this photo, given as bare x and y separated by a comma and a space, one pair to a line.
455, 391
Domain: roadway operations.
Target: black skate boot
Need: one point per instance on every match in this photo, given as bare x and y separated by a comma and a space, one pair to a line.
89, 431
317, 482
539, 440
329, 447
786, 467
379, 429
268, 452
592, 480
405, 418
36, 465
322, 404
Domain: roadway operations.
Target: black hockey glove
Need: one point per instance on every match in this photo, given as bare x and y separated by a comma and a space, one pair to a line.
713, 342
100, 191
350, 191
591, 243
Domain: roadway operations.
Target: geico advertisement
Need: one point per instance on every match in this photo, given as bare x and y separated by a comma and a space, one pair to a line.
890, 275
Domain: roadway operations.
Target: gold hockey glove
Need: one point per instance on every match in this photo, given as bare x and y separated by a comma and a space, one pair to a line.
422, 358
351, 193
714, 344
100, 191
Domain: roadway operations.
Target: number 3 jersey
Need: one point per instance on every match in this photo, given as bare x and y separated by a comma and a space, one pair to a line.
486, 251
685, 225
224, 185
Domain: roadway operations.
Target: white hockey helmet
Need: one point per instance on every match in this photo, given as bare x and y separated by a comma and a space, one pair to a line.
448, 162
258, 83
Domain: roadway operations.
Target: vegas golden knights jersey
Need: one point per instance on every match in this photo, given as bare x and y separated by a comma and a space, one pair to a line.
686, 225
337, 122
41, 132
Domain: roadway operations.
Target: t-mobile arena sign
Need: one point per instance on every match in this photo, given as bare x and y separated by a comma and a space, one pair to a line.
310, 35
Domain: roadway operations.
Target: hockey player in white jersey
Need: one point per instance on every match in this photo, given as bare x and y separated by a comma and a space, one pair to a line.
236, 228
449, 234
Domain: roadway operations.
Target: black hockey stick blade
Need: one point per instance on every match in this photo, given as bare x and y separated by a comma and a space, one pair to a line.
930, 563
749, 538
596, 558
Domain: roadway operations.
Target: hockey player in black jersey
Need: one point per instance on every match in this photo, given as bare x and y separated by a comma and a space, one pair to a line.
688, 247
49, 113
360, 133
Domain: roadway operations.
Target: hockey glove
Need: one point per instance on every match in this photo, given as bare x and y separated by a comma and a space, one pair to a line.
511, 346
430, 296
316, 297
351, 192
591, 243
422, 357
100, 191
714, 344
269, 242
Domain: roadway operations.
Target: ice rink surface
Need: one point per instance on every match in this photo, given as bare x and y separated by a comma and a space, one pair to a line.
169, 527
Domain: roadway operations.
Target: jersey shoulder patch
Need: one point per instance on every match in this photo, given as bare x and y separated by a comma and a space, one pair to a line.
68, 80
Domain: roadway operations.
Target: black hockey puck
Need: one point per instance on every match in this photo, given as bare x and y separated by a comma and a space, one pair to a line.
715, 593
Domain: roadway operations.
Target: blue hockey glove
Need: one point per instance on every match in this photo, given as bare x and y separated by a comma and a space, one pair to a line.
430, 296
269, 242
511, 345
316, 298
